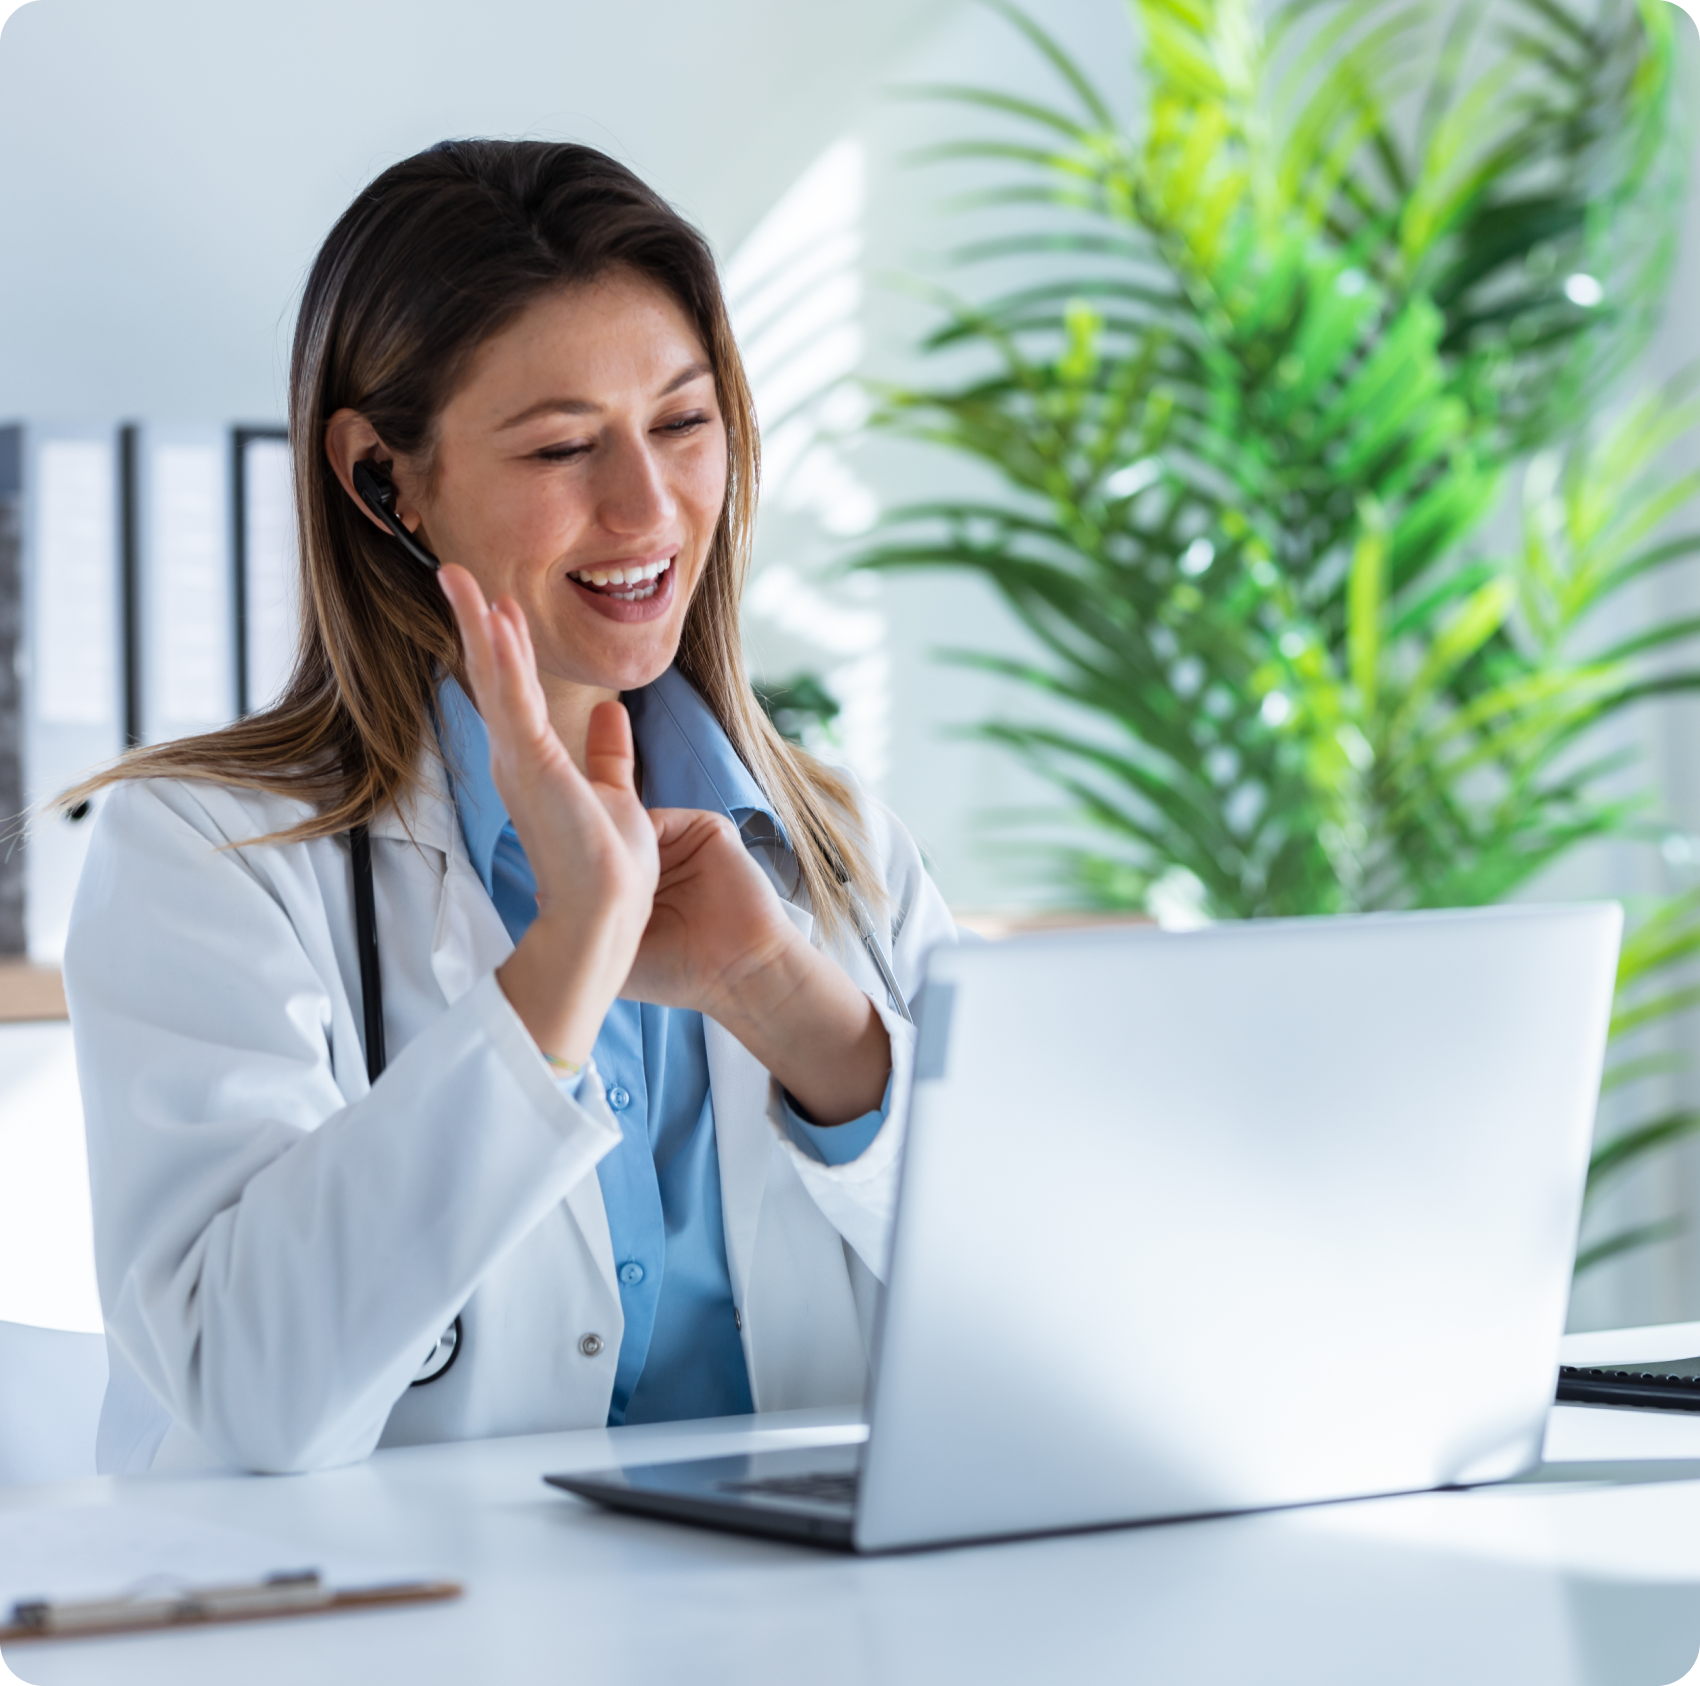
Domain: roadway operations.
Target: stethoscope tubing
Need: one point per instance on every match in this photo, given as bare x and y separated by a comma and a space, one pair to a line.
441, 1358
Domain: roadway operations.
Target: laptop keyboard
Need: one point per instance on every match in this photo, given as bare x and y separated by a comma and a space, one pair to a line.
839, 1489
1651, 1385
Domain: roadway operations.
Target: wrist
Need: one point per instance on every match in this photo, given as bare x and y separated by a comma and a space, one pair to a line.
561, 984
814, 1030
760, 988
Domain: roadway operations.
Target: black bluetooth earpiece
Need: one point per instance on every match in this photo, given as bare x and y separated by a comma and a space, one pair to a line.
377, 492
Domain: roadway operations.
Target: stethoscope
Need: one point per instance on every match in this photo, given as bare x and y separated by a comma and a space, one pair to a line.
440, 1359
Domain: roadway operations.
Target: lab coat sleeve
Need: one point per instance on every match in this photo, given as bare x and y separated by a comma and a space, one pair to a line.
859, 1198
274, 1259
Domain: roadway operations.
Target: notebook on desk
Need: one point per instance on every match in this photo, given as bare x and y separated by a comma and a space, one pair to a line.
1350, 1152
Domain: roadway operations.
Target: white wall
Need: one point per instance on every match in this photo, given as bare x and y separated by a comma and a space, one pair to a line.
170, 167
46, 1236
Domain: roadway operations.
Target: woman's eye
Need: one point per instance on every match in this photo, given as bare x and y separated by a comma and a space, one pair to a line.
562, 453
685, 424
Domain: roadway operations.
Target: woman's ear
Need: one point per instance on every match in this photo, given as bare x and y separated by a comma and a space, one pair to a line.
350, 438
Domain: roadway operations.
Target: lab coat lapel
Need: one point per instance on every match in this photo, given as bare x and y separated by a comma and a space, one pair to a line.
743, 1141
470, 940
585, 1203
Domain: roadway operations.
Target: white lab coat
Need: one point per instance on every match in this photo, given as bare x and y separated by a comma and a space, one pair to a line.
280, 1242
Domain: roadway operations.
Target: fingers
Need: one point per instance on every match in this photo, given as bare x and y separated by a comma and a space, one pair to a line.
691, 827
608, 756
690, 841
479, 630
472, 616
500, 664
516, 692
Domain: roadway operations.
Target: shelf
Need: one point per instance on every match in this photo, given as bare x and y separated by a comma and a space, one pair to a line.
995, 924
30, 992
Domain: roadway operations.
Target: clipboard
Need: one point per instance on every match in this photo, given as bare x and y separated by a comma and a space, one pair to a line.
246, 1601
76, 1571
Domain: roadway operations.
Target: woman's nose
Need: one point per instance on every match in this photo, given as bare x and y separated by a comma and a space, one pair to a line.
632, 493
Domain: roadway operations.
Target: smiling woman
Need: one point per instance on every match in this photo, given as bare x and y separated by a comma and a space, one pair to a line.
603, 493
645, 963
475, 255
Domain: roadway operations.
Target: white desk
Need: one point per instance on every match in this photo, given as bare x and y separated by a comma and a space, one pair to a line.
1590, 1582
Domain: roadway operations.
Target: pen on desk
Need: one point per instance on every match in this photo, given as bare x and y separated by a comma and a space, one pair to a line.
298, 1590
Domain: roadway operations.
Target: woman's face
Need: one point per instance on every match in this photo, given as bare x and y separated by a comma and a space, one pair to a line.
580, 469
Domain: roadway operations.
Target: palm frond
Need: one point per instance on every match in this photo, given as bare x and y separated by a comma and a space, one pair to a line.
1260, 366
1627, 1241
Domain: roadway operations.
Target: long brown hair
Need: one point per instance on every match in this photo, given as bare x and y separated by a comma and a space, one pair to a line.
439, 253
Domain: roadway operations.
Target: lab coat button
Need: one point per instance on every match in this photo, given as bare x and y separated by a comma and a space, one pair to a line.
631, 1273
590, 1345
619, 1098
737, 1319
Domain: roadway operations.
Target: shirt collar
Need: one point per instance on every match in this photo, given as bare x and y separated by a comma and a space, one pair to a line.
688, 762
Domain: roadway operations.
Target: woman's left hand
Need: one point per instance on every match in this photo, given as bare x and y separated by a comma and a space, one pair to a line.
720, 942
715, 927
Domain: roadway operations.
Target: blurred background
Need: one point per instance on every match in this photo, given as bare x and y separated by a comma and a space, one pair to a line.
1306, 450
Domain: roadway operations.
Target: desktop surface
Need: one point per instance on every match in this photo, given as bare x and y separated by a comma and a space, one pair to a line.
1593, 1582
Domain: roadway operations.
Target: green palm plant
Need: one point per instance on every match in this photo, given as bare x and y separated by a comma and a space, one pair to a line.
1266, 364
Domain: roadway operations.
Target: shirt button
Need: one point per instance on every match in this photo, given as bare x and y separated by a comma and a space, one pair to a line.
590, 1345
619, 1098
631, 1273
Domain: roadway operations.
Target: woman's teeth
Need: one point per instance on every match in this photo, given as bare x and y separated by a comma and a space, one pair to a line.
641, 579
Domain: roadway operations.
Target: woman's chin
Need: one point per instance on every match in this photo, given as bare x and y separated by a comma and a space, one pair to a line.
617, 643
633, 657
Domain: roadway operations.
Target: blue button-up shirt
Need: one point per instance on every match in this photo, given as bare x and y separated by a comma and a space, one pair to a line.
681, 1354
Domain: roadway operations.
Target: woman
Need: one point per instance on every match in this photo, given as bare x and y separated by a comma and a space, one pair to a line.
633, 1154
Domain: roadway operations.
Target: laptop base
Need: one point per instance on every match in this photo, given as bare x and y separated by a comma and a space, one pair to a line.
806, 1494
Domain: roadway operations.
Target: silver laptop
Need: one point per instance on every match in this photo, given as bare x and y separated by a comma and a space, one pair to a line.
1266, 1214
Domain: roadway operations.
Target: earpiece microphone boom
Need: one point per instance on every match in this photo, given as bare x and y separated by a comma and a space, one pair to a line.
377, 492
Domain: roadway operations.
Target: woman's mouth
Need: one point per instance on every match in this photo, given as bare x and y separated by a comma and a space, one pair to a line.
640, 590
630, 582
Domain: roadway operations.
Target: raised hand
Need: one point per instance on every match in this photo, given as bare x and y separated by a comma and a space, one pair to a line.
665, 907
587, 836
